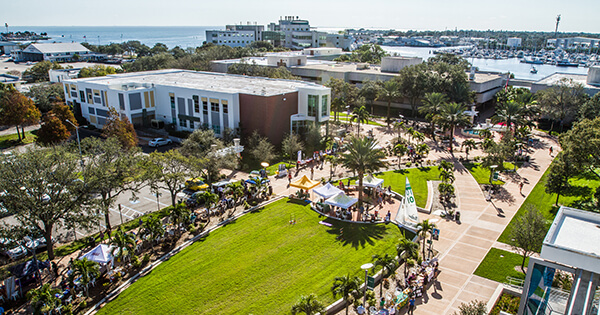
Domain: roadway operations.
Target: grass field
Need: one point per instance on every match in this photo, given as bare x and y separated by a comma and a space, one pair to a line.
259, 264
482, 174
418, 178
499, 264
12, 140
344, 117
582, 187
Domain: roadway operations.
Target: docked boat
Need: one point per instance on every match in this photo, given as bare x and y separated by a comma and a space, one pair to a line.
533, 70
564, 63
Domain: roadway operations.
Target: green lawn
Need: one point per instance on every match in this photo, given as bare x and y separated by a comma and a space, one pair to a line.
482, 174
418, 178
12, 140
345, 117
499, 264
582, 187
272, 169
259, 264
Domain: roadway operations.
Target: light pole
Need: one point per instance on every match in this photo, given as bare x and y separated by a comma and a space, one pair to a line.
78, 141
366, 268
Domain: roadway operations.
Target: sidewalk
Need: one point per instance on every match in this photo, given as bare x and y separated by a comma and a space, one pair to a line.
463, 245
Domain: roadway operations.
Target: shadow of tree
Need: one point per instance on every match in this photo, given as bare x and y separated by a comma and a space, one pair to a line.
577, 191
355, 234
500, 193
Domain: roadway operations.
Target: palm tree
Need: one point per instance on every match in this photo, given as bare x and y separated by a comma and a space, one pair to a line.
237, 191
432, 104
446, 176
422, 150
43, 299
124, 244
390, 90
400, 149
425, 227
86, 270
418, 136
453, 115
363, 157
179, 215
308, 305
360, 115
387, 263
485, 133
469, 145
347, 287
510, 113
152, 229
406, 250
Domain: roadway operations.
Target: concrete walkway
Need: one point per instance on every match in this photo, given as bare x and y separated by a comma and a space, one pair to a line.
463, 245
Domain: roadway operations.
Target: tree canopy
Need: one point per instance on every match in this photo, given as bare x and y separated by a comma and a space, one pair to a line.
120, 127
44, 191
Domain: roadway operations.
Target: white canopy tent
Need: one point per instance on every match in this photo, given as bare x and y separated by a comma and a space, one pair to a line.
341, 200
100, 254
370, 181
327, 191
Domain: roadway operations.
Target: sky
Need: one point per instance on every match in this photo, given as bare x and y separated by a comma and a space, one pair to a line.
525, 15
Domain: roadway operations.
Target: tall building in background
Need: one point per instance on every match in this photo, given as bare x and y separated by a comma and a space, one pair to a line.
237, 35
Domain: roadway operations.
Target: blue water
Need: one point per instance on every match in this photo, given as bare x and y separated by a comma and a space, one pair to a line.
182, 36
194, 36
520, 70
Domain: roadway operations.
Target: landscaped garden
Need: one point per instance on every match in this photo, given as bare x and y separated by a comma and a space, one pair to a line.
582, 187
258, 264
482, 174
499, 264
418, 178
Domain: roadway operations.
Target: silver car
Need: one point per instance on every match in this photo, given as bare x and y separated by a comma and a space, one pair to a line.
157, 142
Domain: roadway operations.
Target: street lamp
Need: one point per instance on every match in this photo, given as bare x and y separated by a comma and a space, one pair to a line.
366, 268
78, 141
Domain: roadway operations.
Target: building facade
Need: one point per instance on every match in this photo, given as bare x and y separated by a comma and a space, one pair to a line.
191, 100
59, 52
236, 35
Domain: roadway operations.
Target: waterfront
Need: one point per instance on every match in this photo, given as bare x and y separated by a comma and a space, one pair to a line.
520, 70
194, 36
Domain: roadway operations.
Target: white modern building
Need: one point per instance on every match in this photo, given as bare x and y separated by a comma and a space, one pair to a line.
190, 100
235, 35
571, 247
59, 52
513, 42
298, 33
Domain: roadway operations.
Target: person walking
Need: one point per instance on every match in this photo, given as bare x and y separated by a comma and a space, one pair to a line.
521, 187
550, 151
312, 172
289, 178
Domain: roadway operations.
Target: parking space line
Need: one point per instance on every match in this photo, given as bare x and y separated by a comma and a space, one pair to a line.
160, 203
117, 212
128, 208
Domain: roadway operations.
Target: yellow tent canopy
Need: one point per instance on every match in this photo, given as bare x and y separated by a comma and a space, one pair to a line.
305, 183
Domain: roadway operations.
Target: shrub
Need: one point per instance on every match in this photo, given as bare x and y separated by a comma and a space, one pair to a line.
135, 262
146, 259
82, 305
201, 227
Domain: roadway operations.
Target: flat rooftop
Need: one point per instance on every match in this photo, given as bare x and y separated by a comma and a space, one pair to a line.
556, 77
573, 239
210, 81
334, 66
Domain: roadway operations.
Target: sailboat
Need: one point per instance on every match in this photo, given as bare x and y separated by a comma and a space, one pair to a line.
407, 215
533, 70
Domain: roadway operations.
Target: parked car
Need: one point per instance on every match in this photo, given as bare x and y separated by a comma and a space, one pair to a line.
195, 184
193, 200
157, 142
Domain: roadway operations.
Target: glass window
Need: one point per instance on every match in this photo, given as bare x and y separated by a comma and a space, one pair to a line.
214, 107
183, 123
196, 103
217, 129
313, 101
82, 96
225, 107
205, 107
172, 97
324, 111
